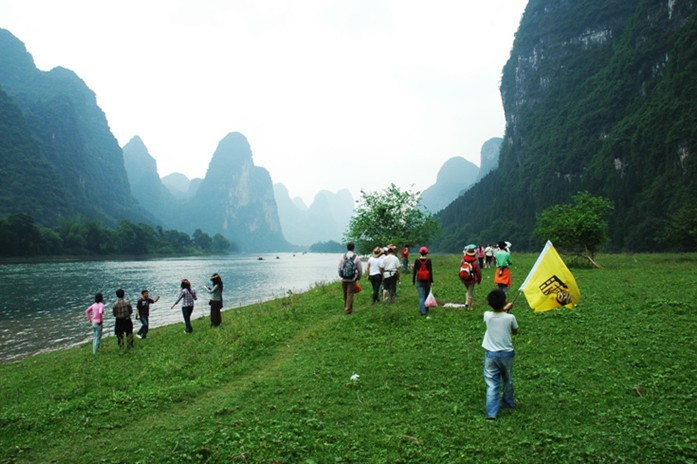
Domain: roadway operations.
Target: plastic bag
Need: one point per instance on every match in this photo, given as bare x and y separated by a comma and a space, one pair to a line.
430, 300
357, 288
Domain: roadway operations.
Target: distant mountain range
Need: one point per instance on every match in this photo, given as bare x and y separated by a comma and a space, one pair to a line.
326, 219
598, 96
60, 160
457, 175
234, 199
181, 186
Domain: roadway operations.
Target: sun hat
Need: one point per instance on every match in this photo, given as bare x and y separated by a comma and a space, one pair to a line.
470, 252
423, 250
377, 251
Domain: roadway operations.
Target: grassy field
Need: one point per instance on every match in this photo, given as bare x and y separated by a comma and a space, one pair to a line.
611, 381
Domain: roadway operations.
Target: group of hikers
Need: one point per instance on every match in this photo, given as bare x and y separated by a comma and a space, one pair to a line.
384, 270
123, 310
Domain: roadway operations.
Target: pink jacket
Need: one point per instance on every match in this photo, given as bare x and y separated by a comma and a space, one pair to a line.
95, 313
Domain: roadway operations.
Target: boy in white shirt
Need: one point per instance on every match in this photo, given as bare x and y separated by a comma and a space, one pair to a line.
499, 354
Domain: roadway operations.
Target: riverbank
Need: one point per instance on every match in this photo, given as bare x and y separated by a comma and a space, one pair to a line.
43, 304
273, 383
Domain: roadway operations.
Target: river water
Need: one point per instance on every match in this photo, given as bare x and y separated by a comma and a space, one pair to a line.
43, 305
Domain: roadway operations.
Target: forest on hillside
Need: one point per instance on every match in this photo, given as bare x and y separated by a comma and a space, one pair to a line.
600, 96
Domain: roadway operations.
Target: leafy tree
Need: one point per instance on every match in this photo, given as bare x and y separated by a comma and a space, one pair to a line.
98, 240
137, 239
19, 236
220, 244
579, 228
202, 240
681, 230
72, 234
391, 216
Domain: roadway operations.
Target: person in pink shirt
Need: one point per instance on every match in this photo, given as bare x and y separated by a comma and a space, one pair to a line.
95, 314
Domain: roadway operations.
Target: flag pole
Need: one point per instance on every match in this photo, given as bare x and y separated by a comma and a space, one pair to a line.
516, 297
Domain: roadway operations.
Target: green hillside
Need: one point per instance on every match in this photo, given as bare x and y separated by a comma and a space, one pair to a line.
71, 160
607, 382
599, 96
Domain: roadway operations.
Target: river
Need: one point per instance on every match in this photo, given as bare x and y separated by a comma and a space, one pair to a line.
43, 304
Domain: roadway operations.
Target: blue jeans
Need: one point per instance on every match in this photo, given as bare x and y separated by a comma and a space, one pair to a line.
497, 369
186, 312
143, 332
97, 330
423, 288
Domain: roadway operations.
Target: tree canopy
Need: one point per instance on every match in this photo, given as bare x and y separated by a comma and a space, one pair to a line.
391, 216
580, 227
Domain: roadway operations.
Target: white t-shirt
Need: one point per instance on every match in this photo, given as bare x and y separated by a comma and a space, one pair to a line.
498, 336
390, 264
374, 264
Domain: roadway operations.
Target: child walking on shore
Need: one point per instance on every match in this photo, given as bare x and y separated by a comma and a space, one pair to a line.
499, 353
143, 312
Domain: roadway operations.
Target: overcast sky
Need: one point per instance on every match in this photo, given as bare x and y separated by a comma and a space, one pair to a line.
331, 94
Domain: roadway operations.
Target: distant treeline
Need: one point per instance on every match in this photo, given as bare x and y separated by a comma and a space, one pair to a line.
20, 236
327, 247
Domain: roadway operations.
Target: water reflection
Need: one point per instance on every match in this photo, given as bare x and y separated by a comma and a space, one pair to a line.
43, 304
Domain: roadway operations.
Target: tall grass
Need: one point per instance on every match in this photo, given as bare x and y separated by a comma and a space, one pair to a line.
611, 381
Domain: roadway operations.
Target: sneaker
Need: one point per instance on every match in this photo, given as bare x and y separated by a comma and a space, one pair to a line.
139, 336
428, 318
490, 418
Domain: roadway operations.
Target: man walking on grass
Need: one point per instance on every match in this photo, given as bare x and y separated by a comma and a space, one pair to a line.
350, 271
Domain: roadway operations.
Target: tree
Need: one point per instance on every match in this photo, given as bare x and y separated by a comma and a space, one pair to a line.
136, 239
329, 246
680, 232
202, 240
220, 244
578, 228
391, 216
19, 236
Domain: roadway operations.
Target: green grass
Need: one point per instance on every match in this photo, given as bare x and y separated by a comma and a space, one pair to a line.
611, 381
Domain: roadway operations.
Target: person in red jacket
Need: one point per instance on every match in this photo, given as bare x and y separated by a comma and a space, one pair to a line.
405, 258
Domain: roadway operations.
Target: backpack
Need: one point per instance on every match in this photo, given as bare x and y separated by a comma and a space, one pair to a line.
467, 271
348, 269
423, 274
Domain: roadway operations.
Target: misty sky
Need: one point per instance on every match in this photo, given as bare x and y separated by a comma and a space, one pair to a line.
331, 94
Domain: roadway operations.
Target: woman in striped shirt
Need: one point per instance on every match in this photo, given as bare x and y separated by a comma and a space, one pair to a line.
188, 295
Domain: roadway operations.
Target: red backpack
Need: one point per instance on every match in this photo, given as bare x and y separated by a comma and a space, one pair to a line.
423, 274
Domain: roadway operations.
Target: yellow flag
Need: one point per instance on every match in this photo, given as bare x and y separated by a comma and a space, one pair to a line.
550, 284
